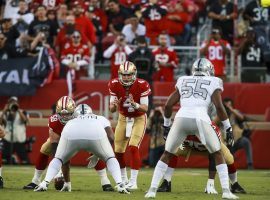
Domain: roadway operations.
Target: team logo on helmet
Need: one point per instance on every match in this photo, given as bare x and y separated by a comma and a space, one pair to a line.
127, 73
65, 107
203, 67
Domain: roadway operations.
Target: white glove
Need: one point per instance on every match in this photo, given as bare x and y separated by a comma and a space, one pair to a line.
66, 187
43, 186
210, 187
93, 160
121, 188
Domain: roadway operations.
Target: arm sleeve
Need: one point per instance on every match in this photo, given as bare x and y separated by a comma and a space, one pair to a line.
108, 52
144, 100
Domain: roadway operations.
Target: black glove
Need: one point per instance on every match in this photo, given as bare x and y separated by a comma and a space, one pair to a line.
229, 137
166, 130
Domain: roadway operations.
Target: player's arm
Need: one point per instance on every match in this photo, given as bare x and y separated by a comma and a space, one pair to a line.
142, 106
172, 100
110, 134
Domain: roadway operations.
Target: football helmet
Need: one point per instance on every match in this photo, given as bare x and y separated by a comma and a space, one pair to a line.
65, 107
82, 109
203, 67
127, 68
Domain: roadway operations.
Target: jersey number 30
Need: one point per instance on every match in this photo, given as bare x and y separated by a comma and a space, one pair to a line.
194, 87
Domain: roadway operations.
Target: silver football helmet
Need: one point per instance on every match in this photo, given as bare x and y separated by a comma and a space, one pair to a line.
203, 67
82, 109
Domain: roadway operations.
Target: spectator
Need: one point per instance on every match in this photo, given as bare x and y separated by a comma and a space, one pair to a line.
48, 4
23, 17
62, 13
15, 121
154, 20
51, 15
10, 31
118, 53
241, 142
2, 134
215, 49
223, 12
117, 17
251, 56
75, 56
131, 5
42, 24
166, 60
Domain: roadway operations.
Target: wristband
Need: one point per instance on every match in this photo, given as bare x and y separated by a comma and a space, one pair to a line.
226, 124
167, 121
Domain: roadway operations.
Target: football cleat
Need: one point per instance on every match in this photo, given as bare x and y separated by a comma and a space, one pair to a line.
30, 186
210, 188
107, 188
66, 187
1, 182
229, 195
132, 186
43, 186
151, 193
165, 186
236, 188
121, 188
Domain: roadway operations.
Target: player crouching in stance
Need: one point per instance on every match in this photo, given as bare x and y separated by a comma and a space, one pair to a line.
196, 92
85, 132
2, 134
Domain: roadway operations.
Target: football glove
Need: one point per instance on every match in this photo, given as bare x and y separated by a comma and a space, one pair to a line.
229, 137
66, 187
166, 130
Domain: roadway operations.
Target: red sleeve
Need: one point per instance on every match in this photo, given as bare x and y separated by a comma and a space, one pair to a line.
91, 32
111, 86
145, 89
175, 59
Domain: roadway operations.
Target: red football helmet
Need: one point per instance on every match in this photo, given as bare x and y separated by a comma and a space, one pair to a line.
127, 73
65, 107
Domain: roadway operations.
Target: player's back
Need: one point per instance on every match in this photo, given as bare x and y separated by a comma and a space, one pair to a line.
196, 93
89, 127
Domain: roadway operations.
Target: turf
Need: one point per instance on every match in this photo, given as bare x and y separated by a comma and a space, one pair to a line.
187, 184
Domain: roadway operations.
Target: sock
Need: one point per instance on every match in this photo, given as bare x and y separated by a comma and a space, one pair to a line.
103, 177
0, 171
114, 169
173, 162
54, 167
100, 165
124, 175
121, 159
223, 177
135, 159
37, 176
232, 173
133, 176
42, 161
168, 174
159, 172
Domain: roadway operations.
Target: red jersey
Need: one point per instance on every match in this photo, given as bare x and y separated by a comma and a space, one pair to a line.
85, 26
55, 124
48, 3
140, 88
216, 55
166, 55
174, 27
76, 54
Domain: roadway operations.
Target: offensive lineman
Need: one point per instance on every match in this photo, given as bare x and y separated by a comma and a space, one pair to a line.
196, 92
85, 132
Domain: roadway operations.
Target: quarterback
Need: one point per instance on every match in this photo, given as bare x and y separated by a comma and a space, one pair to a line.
87, 132
129, 95
195, 93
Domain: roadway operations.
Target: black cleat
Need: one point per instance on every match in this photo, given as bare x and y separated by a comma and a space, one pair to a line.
1, 183
107, 188
236, 188
30, 186
165, 186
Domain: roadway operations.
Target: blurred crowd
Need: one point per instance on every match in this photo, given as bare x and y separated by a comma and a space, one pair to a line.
82, 33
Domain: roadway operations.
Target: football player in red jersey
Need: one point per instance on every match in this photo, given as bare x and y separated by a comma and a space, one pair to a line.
64, 110
166, 60
129, 95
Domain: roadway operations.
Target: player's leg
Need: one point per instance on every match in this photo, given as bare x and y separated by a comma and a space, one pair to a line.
120, 144
101, 171
173, 141
136, 138
210, 185
1, 179
214, 147
41, 164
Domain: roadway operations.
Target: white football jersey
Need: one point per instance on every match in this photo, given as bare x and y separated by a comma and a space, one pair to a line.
196, 92
88, 127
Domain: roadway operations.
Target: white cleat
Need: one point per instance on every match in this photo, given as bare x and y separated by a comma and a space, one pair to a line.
229, 195
210, 189
132, 186
43, 186
121, 188
151, 193
66, 187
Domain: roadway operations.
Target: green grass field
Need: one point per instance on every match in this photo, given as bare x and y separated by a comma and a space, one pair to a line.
187, 184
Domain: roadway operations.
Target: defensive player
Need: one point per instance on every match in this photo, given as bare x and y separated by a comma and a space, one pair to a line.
196, 92
129, 95
2, 134
85, 132
64, 110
